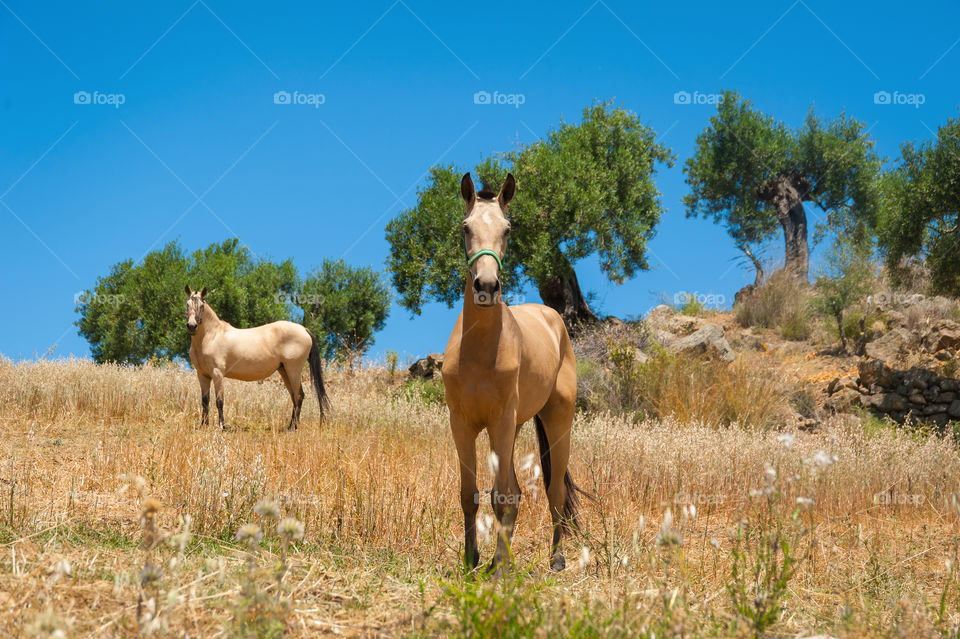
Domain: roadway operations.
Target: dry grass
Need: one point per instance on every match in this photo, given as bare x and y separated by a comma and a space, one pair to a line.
377, 489
781, 302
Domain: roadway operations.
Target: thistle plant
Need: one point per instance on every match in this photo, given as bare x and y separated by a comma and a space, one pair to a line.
256, 613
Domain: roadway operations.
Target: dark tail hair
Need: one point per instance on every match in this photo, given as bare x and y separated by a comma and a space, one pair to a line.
571, 505
316, 373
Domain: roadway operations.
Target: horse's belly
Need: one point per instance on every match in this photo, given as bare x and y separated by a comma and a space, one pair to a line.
251, 371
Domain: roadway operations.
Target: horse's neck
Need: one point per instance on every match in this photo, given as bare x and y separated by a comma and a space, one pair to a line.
481, 325
211, 323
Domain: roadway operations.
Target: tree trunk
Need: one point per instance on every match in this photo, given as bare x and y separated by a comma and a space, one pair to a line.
787, 194
563, 295
796, 250
843, 337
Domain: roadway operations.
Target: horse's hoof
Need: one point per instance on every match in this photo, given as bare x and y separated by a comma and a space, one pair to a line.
494, 570
558, 564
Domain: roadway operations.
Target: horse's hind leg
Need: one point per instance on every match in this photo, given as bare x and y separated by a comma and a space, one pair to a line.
553, 434
291, 379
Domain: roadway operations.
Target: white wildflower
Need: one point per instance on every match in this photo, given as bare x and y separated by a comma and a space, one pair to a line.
822, 459
584, 557
268, 509
291, 528
493, 462
526, 462
787, 439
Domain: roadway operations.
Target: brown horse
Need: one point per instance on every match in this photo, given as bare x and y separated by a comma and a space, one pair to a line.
503, 366
218, 350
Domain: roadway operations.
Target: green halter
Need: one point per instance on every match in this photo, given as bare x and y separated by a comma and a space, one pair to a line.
473, 258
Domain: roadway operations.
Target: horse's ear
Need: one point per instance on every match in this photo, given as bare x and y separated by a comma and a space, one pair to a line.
507, 190
203, 292
186, 289
467, 191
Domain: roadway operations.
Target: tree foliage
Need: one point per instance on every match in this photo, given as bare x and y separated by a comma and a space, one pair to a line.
584, 189
921, 208
344, 306
136, 312
845, 279
744, 157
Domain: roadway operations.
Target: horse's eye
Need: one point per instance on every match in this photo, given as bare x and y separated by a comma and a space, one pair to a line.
466, 229
507, 231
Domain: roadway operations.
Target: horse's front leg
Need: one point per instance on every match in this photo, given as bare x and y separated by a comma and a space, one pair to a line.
465, 438
218, 389
506, 495
204, 398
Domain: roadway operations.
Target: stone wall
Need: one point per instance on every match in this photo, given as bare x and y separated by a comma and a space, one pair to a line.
921, 394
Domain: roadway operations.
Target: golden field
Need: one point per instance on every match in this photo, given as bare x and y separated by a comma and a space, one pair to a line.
869, 515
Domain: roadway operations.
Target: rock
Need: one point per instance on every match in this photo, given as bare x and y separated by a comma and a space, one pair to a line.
748, 342
427, 367
833, 386
893, 346
708, 341
840, 383
885, 402
875, 372
843, 400
660, 311
946, 397
944, 334
918, 399
933, 409
954, 409
743, 294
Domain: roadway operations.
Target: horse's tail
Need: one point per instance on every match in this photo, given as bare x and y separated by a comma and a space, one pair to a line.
571, 505
316, 373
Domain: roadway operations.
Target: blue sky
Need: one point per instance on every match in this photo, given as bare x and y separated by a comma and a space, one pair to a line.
199, 150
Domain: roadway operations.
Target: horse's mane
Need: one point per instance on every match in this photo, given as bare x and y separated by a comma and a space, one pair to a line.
487, 192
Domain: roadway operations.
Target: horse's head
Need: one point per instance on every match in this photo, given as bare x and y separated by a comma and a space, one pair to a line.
195, 305
485, 231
